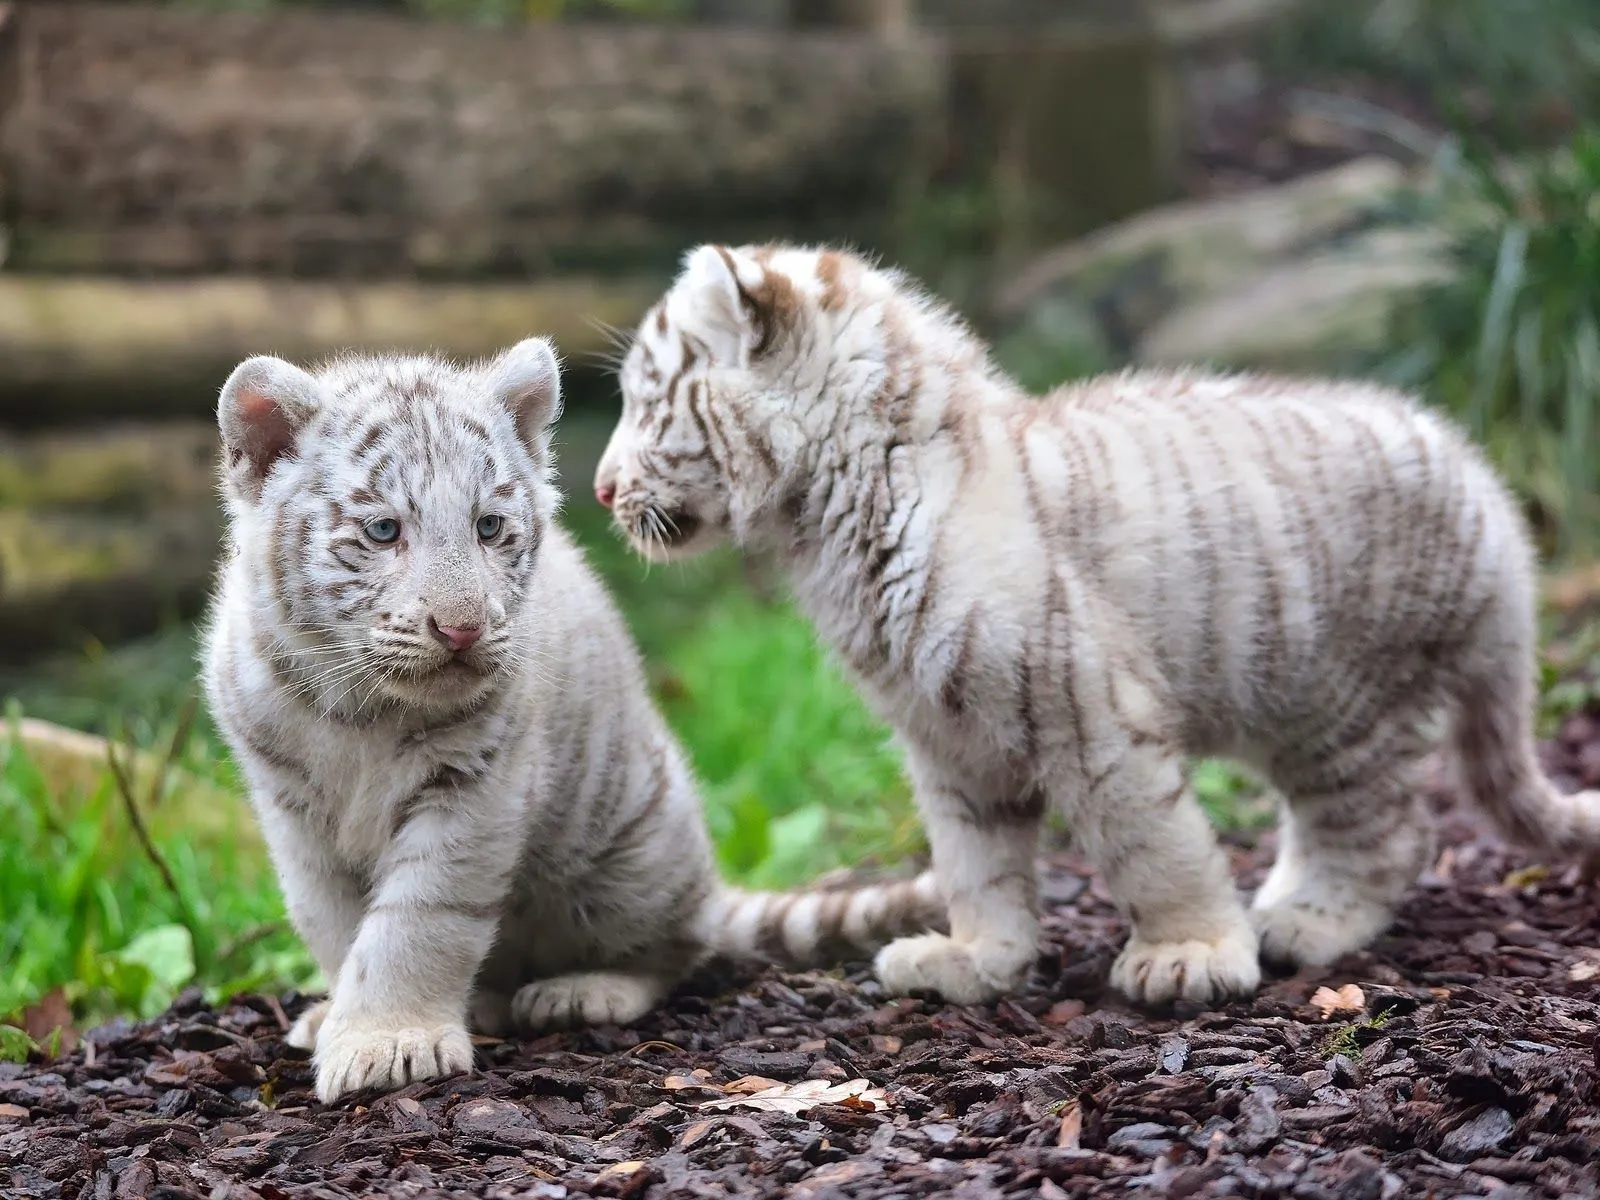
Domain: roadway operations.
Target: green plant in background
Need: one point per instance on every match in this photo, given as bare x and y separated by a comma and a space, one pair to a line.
1057, 341
798, 776
110, 899
1520, 66
1511, 344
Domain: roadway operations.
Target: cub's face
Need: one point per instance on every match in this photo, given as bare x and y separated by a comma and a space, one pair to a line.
663, 474
727, 377
396, 509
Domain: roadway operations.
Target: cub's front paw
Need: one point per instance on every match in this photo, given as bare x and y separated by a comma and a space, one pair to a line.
963, 973
303, 1033
585, 998
1158, 972
353, 1059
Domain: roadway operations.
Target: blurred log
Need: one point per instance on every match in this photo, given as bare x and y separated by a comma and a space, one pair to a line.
76, 348
66, 578
104, 535
126, 469
168, 139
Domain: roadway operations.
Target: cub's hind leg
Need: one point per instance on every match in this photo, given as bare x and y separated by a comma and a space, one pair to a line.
1354, 834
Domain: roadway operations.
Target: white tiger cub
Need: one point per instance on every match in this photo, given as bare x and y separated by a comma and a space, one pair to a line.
466, 790
1057, 600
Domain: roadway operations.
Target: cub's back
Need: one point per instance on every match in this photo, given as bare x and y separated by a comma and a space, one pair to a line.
1264, 534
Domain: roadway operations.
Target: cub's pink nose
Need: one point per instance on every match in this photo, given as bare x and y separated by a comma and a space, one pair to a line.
457, 637
605, 493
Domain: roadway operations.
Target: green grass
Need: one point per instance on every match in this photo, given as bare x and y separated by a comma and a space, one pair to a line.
89, 911
1511, 344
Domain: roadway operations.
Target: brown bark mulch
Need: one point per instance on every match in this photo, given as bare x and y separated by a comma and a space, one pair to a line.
1463, 1061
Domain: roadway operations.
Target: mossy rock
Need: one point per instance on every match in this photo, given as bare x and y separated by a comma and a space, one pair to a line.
1303, 276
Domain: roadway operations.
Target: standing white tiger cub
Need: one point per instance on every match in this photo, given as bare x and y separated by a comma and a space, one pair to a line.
1057, 600
465, 788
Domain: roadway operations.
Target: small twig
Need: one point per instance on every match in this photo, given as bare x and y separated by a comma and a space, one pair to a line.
653, 1045
180, 740
124, 779
249, 938
278, 1015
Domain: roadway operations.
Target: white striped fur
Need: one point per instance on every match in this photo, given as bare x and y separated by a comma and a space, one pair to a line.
509, 830
1058, 600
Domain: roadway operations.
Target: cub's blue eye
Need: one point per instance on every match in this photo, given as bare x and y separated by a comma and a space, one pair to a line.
489, 526
382, 530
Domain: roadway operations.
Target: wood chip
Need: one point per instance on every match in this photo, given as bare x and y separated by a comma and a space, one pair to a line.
1071, 1126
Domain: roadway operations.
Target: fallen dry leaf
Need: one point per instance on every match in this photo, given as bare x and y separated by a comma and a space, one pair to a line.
1445, 867
52, 1012
795, 1098
832, 1175
654, 1044
749, 1085
1071, 1126
1583, 972
1348, 999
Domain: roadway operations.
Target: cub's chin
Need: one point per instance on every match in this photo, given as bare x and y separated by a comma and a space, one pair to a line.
449, 683
662, 535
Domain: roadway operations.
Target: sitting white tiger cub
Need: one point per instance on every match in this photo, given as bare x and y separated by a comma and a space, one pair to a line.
1057, 600
471, 802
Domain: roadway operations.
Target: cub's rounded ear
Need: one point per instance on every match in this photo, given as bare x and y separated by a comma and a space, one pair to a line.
731, 302
527, 382
264, 405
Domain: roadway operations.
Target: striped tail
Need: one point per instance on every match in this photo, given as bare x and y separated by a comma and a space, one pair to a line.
1495, 742
822, 926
